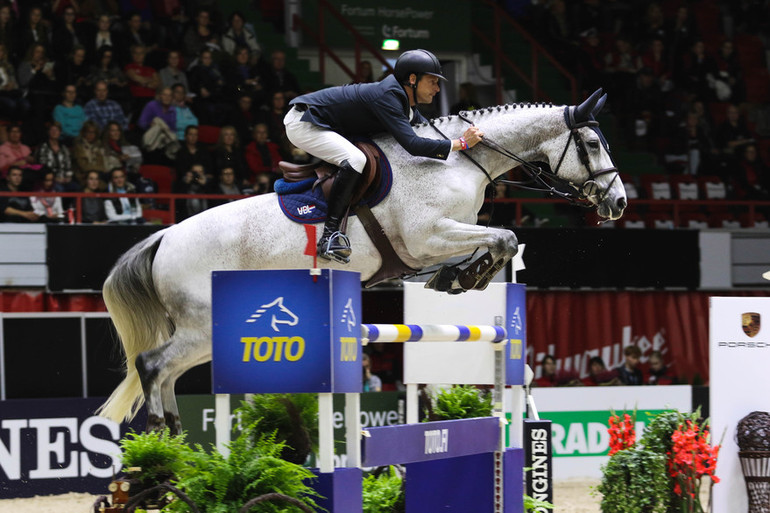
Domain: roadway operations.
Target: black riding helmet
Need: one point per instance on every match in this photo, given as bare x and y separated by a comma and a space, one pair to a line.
419, 62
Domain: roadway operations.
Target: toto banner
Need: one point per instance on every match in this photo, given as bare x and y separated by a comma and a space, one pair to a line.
286, 331
50, 446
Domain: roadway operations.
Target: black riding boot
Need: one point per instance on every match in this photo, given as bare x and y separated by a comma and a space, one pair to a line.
334, 245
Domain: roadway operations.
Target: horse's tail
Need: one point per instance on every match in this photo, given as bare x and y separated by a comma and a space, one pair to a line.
140, 320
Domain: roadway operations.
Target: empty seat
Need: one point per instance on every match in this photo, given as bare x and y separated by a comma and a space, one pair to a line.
630, 220
696, 220
657, 187
628, 182
712, 188
659, 220
155, 216
758, 220
723, 220
161, 175
208, 134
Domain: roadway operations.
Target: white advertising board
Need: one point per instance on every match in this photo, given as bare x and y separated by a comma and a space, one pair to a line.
580, 415
739, 362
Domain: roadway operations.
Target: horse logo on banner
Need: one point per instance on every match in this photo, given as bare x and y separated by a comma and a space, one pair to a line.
292, 319
752, 322
349, 315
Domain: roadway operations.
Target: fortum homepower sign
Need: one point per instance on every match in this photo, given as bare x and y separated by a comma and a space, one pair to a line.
268, 337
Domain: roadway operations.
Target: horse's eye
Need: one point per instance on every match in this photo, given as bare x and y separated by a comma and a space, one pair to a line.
594, 145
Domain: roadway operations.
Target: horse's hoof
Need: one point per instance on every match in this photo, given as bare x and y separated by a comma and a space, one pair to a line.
443, 279
155, 423
173, 423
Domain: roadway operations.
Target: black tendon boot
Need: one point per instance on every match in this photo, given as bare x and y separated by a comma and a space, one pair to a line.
334, 245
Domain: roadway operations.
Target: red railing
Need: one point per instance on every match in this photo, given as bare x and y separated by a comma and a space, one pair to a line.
323, 49
674, 208
532, 79
166, 199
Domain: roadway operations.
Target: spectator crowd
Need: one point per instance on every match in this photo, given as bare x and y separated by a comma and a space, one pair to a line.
96, 86
630, 372
687, 81
93, 90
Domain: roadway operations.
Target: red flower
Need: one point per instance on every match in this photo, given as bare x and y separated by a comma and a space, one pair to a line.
622, 433
691, 458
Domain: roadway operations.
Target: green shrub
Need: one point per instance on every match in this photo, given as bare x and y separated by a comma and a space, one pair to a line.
223, 485
461, 402
160, 455
635, 481
383, 493
293, 417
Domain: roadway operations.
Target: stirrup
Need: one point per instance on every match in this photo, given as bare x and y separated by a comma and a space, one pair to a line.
340, 253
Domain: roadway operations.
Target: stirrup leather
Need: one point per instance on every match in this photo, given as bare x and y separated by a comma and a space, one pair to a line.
335, 247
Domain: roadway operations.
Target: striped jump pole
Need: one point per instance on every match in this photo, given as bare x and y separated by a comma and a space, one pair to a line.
430, 333
447, 333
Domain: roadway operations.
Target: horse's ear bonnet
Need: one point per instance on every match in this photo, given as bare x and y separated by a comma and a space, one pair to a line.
587, 110
419, 62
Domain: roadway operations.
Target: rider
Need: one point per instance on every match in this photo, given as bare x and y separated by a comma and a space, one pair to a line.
320, 123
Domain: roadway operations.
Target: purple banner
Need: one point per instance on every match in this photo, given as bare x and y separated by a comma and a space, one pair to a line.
429, 441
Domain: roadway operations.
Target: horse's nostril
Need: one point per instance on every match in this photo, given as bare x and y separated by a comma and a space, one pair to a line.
622, 203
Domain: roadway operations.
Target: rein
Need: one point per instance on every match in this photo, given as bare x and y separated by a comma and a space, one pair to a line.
541, 181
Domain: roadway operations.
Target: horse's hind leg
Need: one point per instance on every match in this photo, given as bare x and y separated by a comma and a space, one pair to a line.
159, 368
168, 396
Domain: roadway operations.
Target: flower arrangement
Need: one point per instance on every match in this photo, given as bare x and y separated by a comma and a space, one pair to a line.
691, 458
663, 472
622, 433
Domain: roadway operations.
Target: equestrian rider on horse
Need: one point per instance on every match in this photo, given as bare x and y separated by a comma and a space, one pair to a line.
321, 122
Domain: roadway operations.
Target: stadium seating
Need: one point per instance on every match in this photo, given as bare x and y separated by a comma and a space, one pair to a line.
208, 134
162, 175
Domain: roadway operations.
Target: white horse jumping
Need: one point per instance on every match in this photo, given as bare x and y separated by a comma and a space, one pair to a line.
159, 292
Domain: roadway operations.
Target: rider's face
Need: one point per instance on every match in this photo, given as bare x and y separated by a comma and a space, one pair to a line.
427, 88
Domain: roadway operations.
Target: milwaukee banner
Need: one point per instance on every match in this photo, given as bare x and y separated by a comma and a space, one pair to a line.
576, 326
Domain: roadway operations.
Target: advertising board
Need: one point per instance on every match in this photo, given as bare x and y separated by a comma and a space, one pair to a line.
51, 446
579, 420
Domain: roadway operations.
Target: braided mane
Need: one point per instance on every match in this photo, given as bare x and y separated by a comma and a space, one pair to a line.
486, 110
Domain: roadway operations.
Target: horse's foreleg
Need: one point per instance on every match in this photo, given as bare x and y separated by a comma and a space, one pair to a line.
452, 238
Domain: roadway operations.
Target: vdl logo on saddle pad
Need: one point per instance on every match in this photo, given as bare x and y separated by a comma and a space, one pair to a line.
281, 331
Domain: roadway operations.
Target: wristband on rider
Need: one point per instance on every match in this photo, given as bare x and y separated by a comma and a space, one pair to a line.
463, 144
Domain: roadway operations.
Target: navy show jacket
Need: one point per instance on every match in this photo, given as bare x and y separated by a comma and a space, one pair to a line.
368, 109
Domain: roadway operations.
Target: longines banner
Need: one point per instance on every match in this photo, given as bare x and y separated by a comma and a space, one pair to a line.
51, 446
430, 24
740, 358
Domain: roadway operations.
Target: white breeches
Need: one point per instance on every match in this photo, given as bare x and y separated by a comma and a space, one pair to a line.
325, 144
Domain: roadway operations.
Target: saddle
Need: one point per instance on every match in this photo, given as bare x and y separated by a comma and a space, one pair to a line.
325, 172
392, 266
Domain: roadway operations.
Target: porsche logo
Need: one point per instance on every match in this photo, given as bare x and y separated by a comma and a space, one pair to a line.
751, 323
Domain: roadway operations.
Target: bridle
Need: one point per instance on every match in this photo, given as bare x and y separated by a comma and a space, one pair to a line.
550, 182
